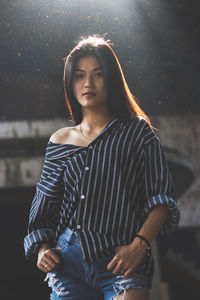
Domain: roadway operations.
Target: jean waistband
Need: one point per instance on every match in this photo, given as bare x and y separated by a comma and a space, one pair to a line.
70, 235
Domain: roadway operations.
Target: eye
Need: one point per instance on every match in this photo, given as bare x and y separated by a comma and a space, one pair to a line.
78, 75
99, 74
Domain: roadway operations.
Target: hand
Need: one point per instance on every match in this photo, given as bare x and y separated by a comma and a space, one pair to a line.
127, 258
48, 258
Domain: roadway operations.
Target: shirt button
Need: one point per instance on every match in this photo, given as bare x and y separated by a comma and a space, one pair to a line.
86, 168
82, 196
90, 147
78, 226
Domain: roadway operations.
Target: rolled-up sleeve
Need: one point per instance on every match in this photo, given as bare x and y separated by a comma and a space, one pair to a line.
159, 186
45, 208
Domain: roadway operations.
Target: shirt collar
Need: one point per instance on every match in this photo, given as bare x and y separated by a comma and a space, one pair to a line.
57, 151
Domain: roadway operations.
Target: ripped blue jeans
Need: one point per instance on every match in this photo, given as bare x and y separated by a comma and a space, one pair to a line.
77, 280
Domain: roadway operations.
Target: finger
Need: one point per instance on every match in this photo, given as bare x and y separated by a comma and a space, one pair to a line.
123, 271
47, 262
118, 268
111, 265
51, 263
53, 255
46, 267
129, 271
43, 267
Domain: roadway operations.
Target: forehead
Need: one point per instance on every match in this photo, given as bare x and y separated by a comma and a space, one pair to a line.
87, 62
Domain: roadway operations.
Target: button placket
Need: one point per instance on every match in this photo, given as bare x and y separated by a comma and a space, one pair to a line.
86, 169
82, 194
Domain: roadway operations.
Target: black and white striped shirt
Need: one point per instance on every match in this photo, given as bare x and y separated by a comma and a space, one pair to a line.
104, 190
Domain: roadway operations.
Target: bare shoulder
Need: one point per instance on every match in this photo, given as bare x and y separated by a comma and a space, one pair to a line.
63, 135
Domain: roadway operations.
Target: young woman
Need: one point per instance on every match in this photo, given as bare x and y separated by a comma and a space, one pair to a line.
105, 190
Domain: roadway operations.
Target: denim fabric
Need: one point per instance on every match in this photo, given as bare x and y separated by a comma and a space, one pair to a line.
77, 280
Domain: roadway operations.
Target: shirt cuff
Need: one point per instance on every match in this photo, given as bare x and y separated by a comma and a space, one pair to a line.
172, 221
33, 240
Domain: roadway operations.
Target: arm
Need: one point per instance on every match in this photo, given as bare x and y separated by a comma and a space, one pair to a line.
154, 222
45, 209
128, 257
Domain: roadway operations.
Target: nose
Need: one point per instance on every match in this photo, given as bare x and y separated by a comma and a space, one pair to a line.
88, 82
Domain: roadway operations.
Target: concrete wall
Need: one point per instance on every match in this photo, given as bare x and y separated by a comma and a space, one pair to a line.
182, 133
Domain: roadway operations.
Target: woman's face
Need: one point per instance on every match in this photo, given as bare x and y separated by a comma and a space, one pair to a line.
88, 83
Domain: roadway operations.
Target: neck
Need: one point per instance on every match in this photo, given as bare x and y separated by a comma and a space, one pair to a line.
94, 121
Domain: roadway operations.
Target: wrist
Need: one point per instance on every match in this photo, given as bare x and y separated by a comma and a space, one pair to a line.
142, 243
144, 239
139, 243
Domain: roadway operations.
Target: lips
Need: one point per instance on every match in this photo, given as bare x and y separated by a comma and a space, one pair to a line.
89, 94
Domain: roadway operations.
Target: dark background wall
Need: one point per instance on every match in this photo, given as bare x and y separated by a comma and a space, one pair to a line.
157, 43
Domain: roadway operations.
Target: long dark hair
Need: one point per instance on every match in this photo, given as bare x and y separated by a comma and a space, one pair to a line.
120, 100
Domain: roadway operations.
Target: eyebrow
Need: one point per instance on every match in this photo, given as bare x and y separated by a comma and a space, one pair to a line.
99, 68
